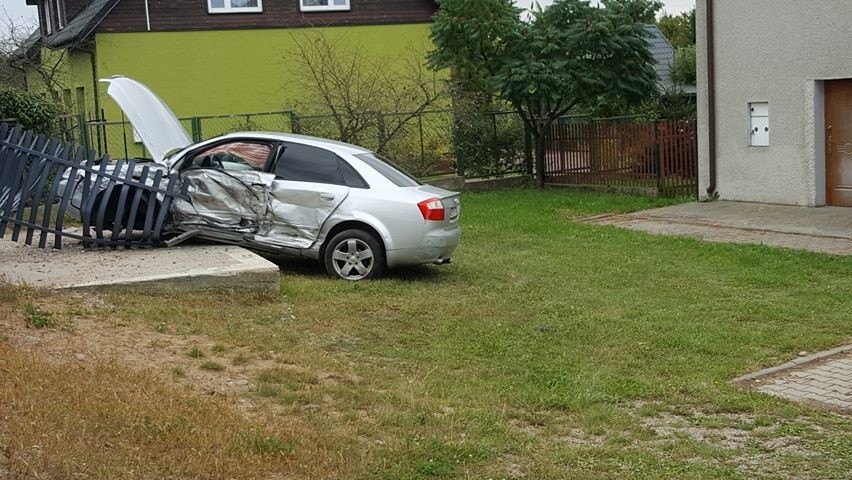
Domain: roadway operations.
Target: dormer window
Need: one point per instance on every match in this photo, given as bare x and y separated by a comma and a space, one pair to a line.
47, 20
52, 14
234, 6
60, 14
324, 5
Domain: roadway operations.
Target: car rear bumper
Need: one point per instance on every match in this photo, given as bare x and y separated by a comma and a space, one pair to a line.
437, 246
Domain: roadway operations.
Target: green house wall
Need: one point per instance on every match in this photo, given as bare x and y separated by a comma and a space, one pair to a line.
70, 73
226, 72
234, 71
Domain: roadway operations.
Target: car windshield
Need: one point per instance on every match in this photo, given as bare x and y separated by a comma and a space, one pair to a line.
394, 174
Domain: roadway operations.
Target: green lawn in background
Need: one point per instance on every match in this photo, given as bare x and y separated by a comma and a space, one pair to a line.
548, 349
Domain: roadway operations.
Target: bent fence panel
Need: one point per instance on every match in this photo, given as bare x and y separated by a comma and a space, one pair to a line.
119, 204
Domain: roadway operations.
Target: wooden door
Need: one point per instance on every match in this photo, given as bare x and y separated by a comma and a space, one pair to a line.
838, 137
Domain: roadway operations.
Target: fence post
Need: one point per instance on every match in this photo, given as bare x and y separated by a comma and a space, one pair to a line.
422, 148
658, 157
694, 170
85, 141
494, 124
382, 132
195, 123
124, 134
294, 123
528, 149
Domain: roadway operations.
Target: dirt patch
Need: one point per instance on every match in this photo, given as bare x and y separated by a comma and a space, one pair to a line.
194, 361
758, 446
667, 425
556, 429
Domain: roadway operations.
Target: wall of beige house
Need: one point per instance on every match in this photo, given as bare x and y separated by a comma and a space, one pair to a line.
780, 52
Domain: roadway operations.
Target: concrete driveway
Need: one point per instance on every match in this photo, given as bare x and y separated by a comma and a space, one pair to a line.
823, 230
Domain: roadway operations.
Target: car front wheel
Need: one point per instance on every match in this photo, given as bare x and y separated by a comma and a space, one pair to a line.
354, 255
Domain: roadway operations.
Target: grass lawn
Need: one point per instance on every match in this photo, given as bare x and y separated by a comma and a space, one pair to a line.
547, 350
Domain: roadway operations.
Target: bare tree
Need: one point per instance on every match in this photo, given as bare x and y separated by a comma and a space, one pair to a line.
21, 45
363, 97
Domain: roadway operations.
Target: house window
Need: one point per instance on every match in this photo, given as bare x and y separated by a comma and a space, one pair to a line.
323, 5
759, 135
60, 14
234, 6
48, 18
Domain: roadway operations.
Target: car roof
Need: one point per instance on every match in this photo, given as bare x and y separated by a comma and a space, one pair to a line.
302, 139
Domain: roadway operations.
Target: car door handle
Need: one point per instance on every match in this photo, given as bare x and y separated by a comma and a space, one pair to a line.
328, 197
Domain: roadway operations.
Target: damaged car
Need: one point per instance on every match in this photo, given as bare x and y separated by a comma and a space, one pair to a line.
341, 204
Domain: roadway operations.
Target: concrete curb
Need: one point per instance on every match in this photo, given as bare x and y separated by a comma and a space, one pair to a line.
184, 268
793, 364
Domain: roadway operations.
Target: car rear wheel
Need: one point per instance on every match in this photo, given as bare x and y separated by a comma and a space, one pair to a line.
354, 255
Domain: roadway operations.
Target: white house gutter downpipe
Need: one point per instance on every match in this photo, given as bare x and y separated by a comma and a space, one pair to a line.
147, 16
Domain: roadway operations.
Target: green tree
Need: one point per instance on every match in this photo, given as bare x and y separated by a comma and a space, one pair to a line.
679, 29
684, 67
562, 57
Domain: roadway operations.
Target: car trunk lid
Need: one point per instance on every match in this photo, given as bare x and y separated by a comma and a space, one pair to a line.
157, 126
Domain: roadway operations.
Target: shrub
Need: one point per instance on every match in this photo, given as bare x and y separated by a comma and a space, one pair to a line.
489, 142
32, 111
433, 155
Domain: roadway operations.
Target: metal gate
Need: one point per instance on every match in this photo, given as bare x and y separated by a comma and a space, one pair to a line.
660, 157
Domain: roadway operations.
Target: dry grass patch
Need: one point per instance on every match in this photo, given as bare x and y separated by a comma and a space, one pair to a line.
108, 399
105, 421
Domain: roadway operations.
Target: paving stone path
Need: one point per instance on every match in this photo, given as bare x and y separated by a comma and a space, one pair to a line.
823, 230
723, 234
828, 384
823, 380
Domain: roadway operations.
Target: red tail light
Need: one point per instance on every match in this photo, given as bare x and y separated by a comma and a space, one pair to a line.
432, 209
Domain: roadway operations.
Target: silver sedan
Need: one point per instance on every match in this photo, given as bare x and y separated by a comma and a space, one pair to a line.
341, 204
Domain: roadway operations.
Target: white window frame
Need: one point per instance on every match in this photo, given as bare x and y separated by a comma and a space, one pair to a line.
325, 8
60, 14
229, 9
48, 17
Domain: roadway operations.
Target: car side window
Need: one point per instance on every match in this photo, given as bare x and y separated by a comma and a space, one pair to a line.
240, 155
304, 163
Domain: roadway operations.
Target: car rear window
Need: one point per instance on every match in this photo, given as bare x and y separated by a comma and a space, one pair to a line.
303, 163
394, 174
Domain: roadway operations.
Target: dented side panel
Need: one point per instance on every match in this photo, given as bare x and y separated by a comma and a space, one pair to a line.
299, 210
230, 200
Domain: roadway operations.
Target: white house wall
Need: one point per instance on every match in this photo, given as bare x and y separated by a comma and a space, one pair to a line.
776, 51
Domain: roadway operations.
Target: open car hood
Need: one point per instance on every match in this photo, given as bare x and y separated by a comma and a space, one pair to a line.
160, 131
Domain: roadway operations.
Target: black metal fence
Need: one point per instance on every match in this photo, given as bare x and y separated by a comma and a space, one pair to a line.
121, 204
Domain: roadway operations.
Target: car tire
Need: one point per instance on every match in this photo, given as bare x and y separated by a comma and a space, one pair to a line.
111, 212
354, 255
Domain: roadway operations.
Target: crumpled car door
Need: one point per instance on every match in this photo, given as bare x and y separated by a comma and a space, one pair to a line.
226, 200
299, 210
